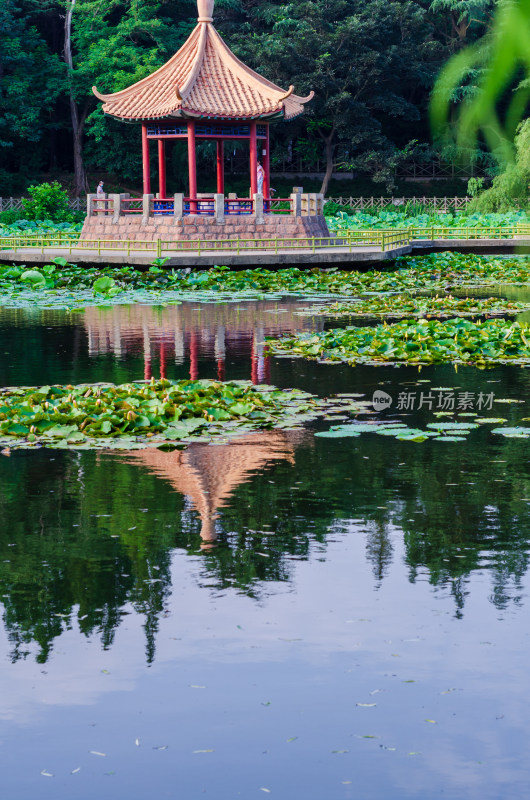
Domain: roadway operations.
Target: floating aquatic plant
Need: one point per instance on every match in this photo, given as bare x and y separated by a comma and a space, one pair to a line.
416, 342
408, 305
65, 282
140, 414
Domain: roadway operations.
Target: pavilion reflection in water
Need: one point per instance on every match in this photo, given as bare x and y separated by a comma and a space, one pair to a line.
209, 474
190, 332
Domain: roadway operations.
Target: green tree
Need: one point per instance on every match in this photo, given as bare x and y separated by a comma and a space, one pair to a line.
30, 83
459, 22
111, 46
502, 95
510, 188
364, 60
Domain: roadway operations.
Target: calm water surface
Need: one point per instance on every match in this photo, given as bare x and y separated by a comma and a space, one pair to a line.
285, 615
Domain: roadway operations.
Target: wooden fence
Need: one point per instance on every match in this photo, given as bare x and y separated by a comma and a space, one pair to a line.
15, 203
357, 203
444, 204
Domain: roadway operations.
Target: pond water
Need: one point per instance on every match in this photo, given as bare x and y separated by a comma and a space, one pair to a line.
286, 615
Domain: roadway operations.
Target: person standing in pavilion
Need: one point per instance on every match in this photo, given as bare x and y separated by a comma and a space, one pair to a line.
261, 177
100, 195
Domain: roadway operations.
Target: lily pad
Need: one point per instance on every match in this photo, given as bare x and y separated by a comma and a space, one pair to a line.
452, 426
514, 431
336, 434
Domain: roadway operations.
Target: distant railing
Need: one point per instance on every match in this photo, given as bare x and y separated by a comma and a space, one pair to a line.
443, 233
15, 203
444, 204
438, 169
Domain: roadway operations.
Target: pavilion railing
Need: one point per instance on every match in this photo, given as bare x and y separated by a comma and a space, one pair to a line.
238, 206
213, 205
132, 205
100, 206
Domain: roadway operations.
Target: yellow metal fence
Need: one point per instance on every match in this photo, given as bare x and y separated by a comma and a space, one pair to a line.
342, 239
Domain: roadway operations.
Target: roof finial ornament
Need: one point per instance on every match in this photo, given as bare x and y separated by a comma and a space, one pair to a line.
205, 9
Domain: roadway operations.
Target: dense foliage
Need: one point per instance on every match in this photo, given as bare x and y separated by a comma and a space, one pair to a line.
137, 415
386, 220
65, 285
410, 305
27, 227
47, 201
372, 66
510, 188
420, 341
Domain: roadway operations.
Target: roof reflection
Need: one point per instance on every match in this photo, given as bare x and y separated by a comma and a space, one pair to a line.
209, 474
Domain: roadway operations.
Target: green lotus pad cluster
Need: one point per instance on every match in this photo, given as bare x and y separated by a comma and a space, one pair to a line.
411, 216
420, 341
61, 283
407, 305
156, 413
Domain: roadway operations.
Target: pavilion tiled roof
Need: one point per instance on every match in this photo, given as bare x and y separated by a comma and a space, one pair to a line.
203, 79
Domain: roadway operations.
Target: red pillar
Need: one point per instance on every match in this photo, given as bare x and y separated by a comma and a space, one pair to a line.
253, 159
220, 167
194, 356
162, 360
192, 164
145, 160
162, 168
267, 369
267, 165
254, 360
147, 355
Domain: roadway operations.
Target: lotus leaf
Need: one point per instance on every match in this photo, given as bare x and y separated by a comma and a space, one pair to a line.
449, 439
452, 426
337, 434
33, 278
515, 431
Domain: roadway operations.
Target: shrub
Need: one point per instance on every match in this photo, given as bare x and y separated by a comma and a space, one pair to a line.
49, 201
331, 208
9, 216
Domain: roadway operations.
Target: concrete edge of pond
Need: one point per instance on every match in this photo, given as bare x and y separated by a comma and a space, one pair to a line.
323, 256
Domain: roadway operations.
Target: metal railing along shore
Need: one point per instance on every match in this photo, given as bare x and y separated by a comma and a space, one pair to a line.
342, 239
348, 240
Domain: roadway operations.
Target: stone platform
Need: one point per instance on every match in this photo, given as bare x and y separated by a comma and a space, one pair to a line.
195, 227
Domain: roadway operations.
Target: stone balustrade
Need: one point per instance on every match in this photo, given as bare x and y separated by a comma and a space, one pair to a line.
215, 206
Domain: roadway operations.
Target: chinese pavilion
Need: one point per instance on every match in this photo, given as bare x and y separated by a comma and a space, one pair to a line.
204, 92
